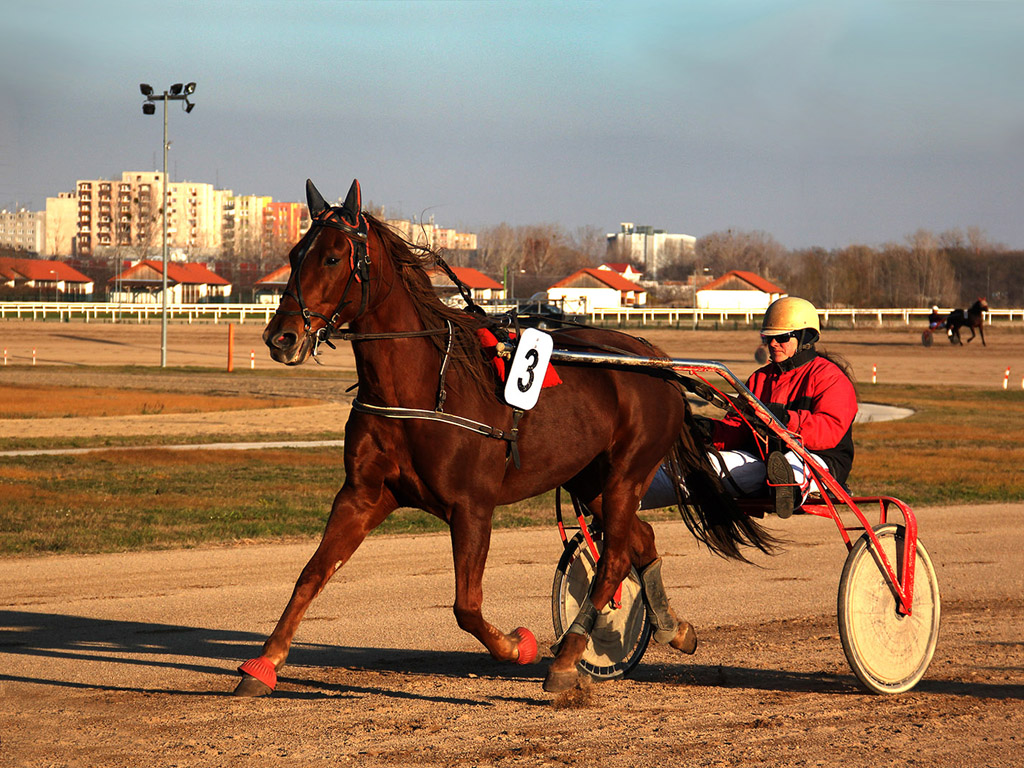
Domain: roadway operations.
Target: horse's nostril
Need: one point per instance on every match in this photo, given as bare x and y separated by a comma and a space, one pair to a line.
284, 340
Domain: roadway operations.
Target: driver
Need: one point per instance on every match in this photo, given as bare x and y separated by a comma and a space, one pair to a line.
810, 393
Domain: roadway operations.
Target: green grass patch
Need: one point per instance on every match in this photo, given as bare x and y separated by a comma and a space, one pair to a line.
961, 445
153, 499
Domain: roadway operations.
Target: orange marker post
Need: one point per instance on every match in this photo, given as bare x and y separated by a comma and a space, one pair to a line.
231, 347
252, 359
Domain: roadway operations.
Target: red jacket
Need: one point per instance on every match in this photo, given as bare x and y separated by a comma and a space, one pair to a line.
820, 405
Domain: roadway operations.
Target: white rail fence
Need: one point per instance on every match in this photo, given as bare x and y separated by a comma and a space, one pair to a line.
261, 313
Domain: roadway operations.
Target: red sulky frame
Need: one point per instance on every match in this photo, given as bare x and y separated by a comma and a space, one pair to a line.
824, 505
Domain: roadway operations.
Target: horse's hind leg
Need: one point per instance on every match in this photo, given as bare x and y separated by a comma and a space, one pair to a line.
353, 515
471, 535
668, 628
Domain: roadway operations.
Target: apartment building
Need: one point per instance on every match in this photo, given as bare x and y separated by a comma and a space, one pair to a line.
284, 223
244, 225
426, 233
653, 248
128, 214
61, 232
22, 230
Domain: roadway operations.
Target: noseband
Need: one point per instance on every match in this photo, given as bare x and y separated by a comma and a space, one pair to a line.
357, 234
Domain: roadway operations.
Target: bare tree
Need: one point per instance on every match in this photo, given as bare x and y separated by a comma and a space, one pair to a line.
756, 252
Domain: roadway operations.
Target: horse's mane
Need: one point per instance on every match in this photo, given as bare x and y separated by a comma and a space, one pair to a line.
411, 263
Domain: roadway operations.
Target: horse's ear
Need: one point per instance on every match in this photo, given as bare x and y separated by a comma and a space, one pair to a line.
354, 201
314, 200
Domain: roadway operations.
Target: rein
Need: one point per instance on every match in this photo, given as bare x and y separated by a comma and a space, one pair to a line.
352, 223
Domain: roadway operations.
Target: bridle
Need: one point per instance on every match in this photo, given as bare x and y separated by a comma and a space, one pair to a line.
352, 223
357, 233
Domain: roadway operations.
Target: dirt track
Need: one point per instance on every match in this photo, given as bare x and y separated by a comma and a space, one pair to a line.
125, 660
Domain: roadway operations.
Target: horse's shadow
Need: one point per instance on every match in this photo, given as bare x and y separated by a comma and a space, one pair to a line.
216, 653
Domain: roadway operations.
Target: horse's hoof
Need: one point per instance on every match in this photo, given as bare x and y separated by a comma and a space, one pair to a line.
559, 680
527, 645
259, 677
251, 687
685, 639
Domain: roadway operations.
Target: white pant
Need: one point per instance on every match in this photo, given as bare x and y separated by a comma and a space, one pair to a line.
747, 475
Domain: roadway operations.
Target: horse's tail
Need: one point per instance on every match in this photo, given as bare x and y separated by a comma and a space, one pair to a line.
708, 510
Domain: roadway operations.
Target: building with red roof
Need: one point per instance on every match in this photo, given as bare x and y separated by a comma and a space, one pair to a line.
588, 289
187, 283
269, 288
44, 279
737, 289
624, 269
482, 288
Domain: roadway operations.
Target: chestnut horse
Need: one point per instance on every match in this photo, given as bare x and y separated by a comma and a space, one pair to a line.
429, 430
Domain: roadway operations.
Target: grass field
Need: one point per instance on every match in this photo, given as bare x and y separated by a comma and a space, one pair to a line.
959, 446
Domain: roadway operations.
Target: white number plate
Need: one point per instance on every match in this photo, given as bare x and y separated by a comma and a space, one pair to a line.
530, 363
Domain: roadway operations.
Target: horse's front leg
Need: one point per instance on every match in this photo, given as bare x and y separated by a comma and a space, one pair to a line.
356, 511
471, 537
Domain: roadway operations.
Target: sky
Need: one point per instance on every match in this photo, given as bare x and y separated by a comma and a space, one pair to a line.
819, 123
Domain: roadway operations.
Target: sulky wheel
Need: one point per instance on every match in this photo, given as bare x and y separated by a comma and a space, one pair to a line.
888, 652
926, 337
620, 635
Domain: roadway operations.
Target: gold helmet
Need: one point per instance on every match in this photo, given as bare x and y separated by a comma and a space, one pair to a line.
791, 314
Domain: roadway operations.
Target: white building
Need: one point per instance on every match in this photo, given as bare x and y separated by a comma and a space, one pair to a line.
22, 230
590, 289
654, 248
738, 290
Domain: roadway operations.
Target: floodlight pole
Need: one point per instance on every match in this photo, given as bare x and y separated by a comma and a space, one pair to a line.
163, 279
177, 92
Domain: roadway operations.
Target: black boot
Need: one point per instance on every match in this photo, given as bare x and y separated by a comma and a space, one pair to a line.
782, 480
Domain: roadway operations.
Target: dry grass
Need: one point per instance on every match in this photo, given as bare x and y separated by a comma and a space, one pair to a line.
22, 402
960, 445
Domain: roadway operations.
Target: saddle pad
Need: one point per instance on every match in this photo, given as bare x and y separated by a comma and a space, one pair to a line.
490, 342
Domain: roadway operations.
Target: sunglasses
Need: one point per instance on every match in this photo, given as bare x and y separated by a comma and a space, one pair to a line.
782, 338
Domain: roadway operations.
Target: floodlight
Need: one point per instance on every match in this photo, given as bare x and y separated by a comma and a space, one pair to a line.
176, 89
188, 106
190, 88
148, 108
146, 88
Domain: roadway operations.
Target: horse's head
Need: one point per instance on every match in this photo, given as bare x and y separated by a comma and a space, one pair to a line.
329, 282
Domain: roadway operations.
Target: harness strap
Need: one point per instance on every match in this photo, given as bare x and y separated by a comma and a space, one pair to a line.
350, 336
397, 412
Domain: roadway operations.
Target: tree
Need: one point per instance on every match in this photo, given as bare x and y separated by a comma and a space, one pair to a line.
756, 252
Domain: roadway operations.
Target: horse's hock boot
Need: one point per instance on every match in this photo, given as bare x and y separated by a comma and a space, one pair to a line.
783, 481
668, 629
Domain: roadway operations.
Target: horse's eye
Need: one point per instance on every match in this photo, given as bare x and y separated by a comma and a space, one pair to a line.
330, 261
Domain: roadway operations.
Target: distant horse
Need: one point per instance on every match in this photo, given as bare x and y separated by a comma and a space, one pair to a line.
429, 430
967, 318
